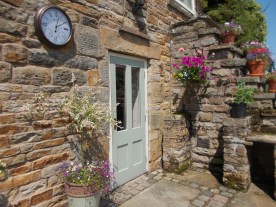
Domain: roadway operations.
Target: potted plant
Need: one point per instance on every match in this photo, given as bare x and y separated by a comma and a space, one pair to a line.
271, 81
243, 97
258, 58
192, 69
86, 180
229, 31
3, 171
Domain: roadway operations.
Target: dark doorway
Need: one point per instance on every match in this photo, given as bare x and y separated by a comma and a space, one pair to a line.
262, 167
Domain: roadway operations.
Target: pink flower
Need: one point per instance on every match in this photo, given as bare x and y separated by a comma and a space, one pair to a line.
199, 51
181, 49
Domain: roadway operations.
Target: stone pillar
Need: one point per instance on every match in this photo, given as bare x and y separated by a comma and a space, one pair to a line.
236, 168
176, 144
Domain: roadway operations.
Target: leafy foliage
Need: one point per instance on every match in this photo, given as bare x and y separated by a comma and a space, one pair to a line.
246, 13
244, 94
88, 116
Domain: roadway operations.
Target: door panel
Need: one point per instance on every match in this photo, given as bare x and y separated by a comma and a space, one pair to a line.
128, 96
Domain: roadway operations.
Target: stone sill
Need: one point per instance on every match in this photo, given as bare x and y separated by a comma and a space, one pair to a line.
265, 96
249, 79
269, 113
266, 138
134, 32
210, 31
232, 48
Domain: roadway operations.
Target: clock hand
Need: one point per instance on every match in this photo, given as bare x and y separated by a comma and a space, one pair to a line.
57, 23
61, 24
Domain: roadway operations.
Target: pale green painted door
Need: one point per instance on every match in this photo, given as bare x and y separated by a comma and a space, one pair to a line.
128, 141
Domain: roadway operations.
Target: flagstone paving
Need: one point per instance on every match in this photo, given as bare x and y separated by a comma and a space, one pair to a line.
192, 189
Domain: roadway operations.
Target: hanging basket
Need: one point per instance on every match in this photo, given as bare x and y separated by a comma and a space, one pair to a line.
256, 68
271, 86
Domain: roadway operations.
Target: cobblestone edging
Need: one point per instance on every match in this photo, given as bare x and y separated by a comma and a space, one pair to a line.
208, 197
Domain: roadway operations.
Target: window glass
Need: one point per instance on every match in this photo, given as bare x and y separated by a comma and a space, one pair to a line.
120, 96
136, 99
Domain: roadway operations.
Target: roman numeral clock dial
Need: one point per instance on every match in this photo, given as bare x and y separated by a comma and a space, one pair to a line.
53, 26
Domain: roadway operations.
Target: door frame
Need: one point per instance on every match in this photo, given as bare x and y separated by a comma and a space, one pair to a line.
146, 105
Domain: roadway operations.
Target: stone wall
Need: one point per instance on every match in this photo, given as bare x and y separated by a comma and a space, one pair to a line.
33, 150
206, 106
215, 142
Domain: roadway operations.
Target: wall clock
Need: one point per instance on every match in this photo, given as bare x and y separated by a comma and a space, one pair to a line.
53, 26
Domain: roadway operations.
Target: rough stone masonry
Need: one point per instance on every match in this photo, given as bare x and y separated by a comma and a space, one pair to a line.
34, 149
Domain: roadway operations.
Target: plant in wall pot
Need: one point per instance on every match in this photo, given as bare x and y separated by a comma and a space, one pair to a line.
243, 97
271, 81
229, 31
258, 58
86, 180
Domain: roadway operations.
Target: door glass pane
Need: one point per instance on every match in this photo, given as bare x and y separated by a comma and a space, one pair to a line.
136, 99
120, 96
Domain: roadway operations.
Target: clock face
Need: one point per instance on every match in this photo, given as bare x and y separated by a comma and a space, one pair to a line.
53, 26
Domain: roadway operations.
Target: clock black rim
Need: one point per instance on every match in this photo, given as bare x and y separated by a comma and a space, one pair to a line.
38, 27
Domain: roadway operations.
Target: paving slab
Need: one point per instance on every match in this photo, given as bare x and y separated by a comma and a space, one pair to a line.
164, 193
191, 189
255, 197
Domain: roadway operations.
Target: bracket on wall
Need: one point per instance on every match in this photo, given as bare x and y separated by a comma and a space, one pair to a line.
138, 5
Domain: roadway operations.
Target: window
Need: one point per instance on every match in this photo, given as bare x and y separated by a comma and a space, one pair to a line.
184, 6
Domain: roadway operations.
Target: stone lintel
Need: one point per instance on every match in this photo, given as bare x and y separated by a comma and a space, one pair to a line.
134, 32
125, 43
266, 138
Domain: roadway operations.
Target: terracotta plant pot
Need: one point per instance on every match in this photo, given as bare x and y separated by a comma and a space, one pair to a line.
256, 68
271, 86
228, 38
82, 195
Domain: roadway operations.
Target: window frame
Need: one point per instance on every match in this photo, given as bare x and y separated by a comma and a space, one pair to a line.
179, 5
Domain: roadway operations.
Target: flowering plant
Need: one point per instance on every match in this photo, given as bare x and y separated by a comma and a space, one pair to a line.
98, 175
192, 69
257, 51
248, 46
231, 27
